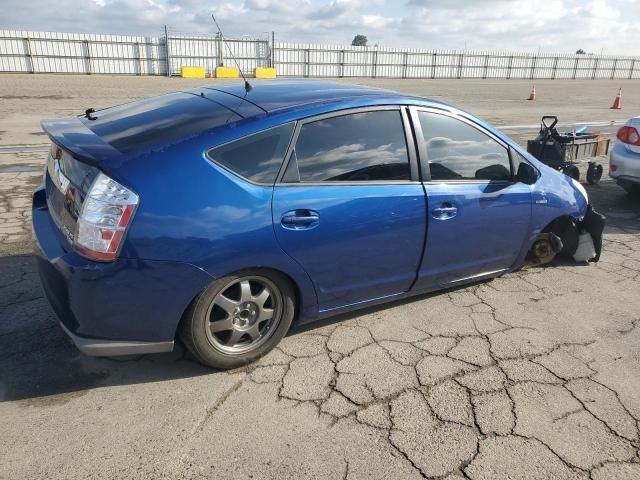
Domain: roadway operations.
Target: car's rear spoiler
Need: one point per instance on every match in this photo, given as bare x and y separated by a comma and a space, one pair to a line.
82, 143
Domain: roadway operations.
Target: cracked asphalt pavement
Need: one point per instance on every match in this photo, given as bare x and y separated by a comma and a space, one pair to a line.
534, 375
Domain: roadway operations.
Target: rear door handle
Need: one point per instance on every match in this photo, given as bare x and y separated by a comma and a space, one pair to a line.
444, 211
300, 220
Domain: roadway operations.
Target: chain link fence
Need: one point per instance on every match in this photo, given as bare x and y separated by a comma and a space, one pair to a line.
45, 52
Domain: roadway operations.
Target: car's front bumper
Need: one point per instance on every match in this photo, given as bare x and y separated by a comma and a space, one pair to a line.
129, 306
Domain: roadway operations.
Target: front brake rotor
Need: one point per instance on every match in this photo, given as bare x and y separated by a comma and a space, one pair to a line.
545, 248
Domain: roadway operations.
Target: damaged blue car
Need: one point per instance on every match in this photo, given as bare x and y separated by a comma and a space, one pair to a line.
222, 215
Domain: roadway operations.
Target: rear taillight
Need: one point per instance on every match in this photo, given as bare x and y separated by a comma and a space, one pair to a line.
106, 213
629, 135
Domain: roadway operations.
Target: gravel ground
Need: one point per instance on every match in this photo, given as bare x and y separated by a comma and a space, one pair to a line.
531, 376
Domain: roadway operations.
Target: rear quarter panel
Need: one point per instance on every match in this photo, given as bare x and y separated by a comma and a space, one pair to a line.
194, 211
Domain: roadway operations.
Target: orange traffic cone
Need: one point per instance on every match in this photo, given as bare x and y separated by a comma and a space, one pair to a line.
532, 95
617, 103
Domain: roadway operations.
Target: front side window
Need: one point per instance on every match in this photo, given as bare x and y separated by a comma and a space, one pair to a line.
257, 157
356, 147
458, 151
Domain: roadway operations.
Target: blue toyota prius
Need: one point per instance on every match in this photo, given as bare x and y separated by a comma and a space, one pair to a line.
222, 215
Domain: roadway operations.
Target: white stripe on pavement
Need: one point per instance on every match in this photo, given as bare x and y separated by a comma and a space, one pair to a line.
601, 123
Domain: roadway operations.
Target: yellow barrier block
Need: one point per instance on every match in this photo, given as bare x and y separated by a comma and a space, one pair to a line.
265, 72
227, 72
192, 72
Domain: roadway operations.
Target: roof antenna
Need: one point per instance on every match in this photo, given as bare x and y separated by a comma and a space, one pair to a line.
247, 85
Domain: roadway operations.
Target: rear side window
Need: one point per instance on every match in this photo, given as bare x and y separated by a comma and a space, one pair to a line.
458, 151
256, 157
357, 147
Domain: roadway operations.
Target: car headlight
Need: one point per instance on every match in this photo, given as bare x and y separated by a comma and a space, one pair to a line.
581, 189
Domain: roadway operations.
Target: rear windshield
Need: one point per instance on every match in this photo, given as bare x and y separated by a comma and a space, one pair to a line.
157, 120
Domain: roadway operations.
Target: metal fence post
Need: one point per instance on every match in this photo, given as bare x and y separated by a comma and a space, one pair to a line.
167, 51
32, 67
374, 63
139, 57
509, 66
341, 63
595, 69
273, 47
87, 56
555, 68
433, 65
633, 64
486, 67
575, 69
460, 61
613, 70
307, 62
219, 50
405, 64
532, 73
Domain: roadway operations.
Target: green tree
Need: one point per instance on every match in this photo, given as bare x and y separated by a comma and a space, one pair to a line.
580, 52
359, 41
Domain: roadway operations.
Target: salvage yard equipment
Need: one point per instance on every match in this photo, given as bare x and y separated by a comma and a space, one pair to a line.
561, 151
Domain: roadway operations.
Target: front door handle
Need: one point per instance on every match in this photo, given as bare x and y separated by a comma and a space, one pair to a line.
444, 211
300, 220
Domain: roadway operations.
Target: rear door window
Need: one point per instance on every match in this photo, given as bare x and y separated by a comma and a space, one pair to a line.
256, 157
357, 147
459, 151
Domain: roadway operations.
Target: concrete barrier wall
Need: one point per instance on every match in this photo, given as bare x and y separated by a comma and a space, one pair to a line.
46, 52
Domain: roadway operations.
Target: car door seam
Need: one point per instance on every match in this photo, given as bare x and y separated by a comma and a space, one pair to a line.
275, 236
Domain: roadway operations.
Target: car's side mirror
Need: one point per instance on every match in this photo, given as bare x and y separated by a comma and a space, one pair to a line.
526, 174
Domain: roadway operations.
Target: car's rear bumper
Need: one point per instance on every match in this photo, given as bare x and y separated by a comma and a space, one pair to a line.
95, 347
627, 180
124, 307
624, 166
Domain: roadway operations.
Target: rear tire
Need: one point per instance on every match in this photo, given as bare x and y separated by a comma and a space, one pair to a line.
238, 318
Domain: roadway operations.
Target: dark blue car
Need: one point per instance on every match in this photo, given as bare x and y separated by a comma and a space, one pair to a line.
224, 216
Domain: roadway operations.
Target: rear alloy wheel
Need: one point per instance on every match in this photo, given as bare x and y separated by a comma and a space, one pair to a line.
237, 319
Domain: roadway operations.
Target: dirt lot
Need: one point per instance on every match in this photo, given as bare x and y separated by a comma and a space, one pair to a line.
533, 375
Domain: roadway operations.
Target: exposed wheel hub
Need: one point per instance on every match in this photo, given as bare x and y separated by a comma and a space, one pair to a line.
245, 315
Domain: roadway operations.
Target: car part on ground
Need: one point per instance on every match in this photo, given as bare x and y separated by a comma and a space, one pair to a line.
586, 249
593, 223
560, 151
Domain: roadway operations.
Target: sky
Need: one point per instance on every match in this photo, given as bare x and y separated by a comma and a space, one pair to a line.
562, 26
